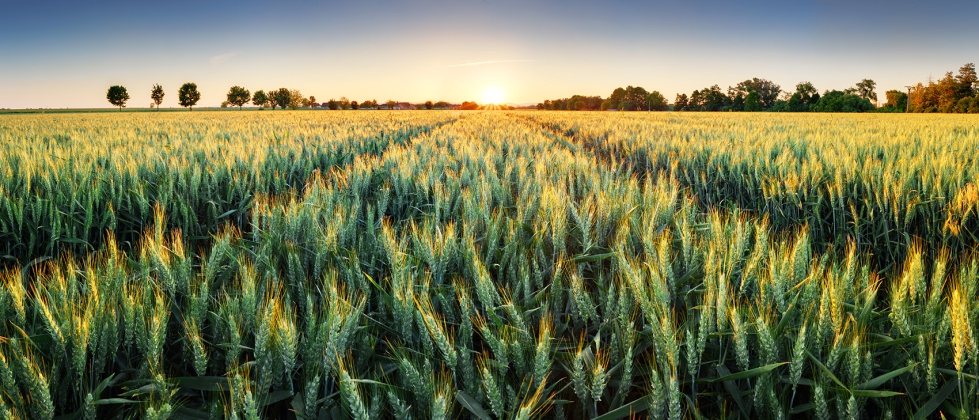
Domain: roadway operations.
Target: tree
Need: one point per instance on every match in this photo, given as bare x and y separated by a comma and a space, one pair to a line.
680, 104
736, 97
577, 103
963, 105
117, 96
866, 89
281, 97
296, 100
238, 96
796, 104
441, 105
344, 103
805, 97
896, 99
836, 101
260, 99
752, 102
614, 100
696, 101
468, 106
632, 98
428, 105
157, 95
333, 104
311, 102
354, 105
967, 80
708, 99
767, 91
188, 95
946, 93
655, 101
806, 90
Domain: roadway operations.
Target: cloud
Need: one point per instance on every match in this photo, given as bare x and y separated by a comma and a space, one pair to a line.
219, 59
480, 63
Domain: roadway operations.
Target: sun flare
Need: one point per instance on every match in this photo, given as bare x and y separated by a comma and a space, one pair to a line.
493, 95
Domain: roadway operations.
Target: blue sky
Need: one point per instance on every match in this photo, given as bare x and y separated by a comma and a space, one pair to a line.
66, 54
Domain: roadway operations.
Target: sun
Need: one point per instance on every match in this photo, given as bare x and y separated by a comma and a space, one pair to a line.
493, 95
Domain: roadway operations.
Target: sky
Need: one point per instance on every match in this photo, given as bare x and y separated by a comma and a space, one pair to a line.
56, 54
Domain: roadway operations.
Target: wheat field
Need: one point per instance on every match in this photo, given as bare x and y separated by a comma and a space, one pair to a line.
488, 265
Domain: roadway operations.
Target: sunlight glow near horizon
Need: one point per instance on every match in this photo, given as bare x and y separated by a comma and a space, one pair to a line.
493, 95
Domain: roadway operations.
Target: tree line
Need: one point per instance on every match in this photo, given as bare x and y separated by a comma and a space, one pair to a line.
751, 95
953, 93
631, 98
283, 98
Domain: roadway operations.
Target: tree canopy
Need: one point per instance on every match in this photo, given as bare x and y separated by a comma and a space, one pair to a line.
630, 98
296, 99
188, 95
952, 93
117, 96
837, 101
681, 102
281, 97
866, 89
238, 96
157, 95
260, 99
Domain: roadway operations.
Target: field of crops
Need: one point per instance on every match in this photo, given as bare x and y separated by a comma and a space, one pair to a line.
493, 265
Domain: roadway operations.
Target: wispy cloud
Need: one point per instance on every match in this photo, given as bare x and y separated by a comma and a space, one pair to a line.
218, 59
481, 63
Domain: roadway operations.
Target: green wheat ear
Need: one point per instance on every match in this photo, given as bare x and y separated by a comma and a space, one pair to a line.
350, 393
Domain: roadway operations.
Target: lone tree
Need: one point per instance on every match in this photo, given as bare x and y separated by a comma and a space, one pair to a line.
239, 96
117, 96
281, 98
189, 95
157, 96
260, 99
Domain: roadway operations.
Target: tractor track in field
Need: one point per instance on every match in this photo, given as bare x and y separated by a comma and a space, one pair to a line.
569, 140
